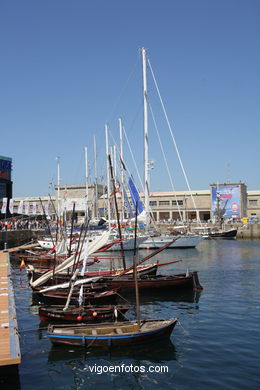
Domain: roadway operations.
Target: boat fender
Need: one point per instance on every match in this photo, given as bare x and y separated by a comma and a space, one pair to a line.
79, 318
94, 314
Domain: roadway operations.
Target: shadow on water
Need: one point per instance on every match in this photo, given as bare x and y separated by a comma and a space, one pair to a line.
9, 378
157, 353
162, 296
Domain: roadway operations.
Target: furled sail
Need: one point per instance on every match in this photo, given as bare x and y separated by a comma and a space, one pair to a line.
96, 244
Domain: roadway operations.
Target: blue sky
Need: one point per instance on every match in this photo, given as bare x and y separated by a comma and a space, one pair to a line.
68, 67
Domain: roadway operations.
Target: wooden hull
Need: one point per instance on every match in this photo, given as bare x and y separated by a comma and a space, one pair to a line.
147, 284
149, 269
227, 235
83, 314
112, 335
94, 298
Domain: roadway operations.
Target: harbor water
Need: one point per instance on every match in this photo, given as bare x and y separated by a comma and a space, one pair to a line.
216, 344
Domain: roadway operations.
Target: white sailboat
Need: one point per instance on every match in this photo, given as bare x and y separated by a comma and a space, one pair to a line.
185, 240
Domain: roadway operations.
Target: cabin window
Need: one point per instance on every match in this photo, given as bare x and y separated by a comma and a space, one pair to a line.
153, 203
252, 202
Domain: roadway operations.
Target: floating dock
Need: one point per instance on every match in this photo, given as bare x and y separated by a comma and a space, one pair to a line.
10, 354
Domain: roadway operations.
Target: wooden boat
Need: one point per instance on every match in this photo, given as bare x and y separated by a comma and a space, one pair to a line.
188, 281
112, 334
148, 269
90, 298
227, 235
82, 314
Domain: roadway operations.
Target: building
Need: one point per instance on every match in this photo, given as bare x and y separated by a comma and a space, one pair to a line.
6, 184
83, 200
165, 206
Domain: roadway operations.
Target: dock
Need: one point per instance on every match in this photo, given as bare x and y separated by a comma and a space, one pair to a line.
10, 354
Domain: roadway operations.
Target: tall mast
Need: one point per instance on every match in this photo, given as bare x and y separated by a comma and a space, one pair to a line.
95, 168
146, 162
108, 178
86, 181
58, 193
122, 169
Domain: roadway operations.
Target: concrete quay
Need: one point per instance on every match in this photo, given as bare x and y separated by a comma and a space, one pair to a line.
13, 238
244, 231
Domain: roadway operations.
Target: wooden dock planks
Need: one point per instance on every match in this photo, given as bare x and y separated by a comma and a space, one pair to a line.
9, 341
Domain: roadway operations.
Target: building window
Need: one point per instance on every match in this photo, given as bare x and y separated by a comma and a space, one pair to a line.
164, 203
177, 202
153, 203
252, 202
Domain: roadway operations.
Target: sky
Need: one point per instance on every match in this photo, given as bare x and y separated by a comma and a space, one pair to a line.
69, 67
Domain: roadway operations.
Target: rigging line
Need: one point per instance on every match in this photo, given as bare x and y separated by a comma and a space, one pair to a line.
111, 115
171, 132
165, 160
132, 155
138, 174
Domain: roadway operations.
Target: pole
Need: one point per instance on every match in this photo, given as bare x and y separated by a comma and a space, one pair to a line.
122, 169
146, 162
108, 179
95, 167
117, 213
135, 274
86, 181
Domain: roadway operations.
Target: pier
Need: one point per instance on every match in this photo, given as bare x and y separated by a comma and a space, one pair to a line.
10, 355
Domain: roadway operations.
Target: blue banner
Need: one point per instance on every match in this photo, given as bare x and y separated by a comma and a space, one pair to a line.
135, 196
225, 201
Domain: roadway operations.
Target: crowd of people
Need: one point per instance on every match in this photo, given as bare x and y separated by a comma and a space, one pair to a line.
18, 224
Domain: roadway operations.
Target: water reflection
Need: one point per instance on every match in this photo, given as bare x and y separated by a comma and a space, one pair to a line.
166, 351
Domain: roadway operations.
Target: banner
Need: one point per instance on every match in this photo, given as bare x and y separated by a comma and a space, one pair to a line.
225, 201
20, 207
46, 209
34, 208
26, 208
11, 206
4, 206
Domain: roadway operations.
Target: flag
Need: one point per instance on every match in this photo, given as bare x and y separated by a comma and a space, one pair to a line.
11, 206
4, 205
20, 207
22, 265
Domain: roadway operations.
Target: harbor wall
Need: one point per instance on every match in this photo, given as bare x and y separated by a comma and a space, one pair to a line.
18, 237
244, 231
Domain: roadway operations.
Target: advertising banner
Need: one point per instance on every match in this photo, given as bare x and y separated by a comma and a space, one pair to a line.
225, 201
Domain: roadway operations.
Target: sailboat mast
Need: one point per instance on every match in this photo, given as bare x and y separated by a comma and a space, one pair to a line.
96, 178
86, 181
122, 169
108, 179
146, 162
58, 193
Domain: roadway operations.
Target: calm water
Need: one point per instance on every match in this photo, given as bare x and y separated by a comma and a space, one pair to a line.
216, 344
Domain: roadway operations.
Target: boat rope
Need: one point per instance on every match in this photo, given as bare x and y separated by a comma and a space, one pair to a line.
172, 136
29, 330
185, 331
165, 161
124, 299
